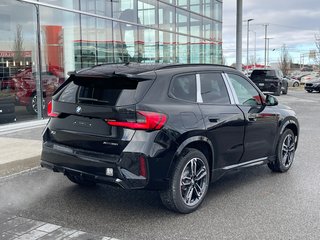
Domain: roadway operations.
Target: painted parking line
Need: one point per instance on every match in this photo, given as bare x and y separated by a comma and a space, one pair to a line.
19, 228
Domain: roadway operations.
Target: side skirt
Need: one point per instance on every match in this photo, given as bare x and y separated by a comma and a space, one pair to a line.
218, 173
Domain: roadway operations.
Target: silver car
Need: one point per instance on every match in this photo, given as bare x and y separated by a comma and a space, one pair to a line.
293, 82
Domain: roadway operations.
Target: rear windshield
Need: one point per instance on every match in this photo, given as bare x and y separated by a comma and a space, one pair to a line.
113, 92
263, 73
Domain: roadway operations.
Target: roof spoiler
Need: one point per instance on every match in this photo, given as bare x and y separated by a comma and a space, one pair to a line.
113, 80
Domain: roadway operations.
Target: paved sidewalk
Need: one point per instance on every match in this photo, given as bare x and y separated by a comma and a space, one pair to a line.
20, 145
19, 228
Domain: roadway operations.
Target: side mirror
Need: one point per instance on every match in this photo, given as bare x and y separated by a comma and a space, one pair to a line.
271, 100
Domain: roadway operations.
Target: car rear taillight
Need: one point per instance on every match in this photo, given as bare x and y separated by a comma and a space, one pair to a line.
145, 121
51, 113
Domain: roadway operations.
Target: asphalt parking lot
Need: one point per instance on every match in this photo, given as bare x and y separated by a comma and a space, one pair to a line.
250, 204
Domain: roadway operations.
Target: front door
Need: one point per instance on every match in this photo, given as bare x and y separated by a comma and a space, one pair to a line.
260, 120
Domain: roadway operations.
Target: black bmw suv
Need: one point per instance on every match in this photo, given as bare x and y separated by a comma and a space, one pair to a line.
270, 80
172, 128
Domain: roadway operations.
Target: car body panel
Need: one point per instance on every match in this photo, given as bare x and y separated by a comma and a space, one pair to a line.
230, 138
270, 80
313, 86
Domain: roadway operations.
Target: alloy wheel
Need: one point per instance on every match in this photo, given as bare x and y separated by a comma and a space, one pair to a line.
288, 150
34, 104
194, 182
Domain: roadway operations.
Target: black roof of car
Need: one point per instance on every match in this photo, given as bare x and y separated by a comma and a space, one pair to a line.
134, 69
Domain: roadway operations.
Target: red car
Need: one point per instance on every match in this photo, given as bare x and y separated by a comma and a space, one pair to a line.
24, 85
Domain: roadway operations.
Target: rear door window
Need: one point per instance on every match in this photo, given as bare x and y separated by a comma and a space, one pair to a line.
184, 87
213, 89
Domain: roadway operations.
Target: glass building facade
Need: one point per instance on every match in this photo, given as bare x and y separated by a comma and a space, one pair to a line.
42, 41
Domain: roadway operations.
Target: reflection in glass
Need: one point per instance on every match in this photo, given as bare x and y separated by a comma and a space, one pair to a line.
196, 51
182, 21
99, 7
182, 49
18, 61
147, 12
151, 50
195, 6
167, 47
167, 18
71, 41
128, 43
125, 10
72, 4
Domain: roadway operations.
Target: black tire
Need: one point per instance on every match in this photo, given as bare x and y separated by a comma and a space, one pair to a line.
32, 106
296, 84
285, 152
187, 188
285, 91
278, 92
309, 91
80, 180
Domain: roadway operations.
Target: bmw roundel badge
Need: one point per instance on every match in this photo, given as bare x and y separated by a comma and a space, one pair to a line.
78, 109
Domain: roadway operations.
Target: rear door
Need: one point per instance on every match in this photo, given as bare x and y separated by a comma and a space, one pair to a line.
85, 105
261, 121
223, 120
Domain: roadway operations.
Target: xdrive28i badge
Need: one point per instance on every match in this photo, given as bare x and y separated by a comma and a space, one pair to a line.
78, 109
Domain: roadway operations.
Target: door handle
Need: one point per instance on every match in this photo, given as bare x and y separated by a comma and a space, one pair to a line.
252, 118
213, 119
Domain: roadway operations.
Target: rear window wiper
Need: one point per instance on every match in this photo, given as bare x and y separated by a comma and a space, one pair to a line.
92, 100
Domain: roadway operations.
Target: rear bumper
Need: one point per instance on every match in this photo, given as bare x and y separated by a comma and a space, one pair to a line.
90, 167
268, 86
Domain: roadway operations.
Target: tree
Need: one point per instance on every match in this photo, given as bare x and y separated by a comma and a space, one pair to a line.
317, 53
18, 44
285, 60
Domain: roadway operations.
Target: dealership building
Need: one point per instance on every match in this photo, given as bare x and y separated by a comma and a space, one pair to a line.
47, 39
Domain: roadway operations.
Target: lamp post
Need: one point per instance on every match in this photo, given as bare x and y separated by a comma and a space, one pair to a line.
268, 49
255, 48
239, 35
248, 21
265, 43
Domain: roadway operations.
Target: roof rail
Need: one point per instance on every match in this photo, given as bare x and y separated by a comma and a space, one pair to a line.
192, 64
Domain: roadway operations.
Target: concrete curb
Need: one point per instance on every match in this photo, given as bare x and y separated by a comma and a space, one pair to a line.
16, 127
19, 166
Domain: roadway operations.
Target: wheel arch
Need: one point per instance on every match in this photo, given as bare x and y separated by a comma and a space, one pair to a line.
201, 143
293, 126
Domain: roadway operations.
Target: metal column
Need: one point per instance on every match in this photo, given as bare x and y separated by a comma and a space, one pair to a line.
239, 36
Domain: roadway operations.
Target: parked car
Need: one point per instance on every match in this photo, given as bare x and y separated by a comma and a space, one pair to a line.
270, 80
292, 82
172, 128
299, 76
306, 69
313, 86
310, 77
24, 84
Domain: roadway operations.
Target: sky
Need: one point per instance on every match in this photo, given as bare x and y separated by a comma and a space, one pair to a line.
290, 22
